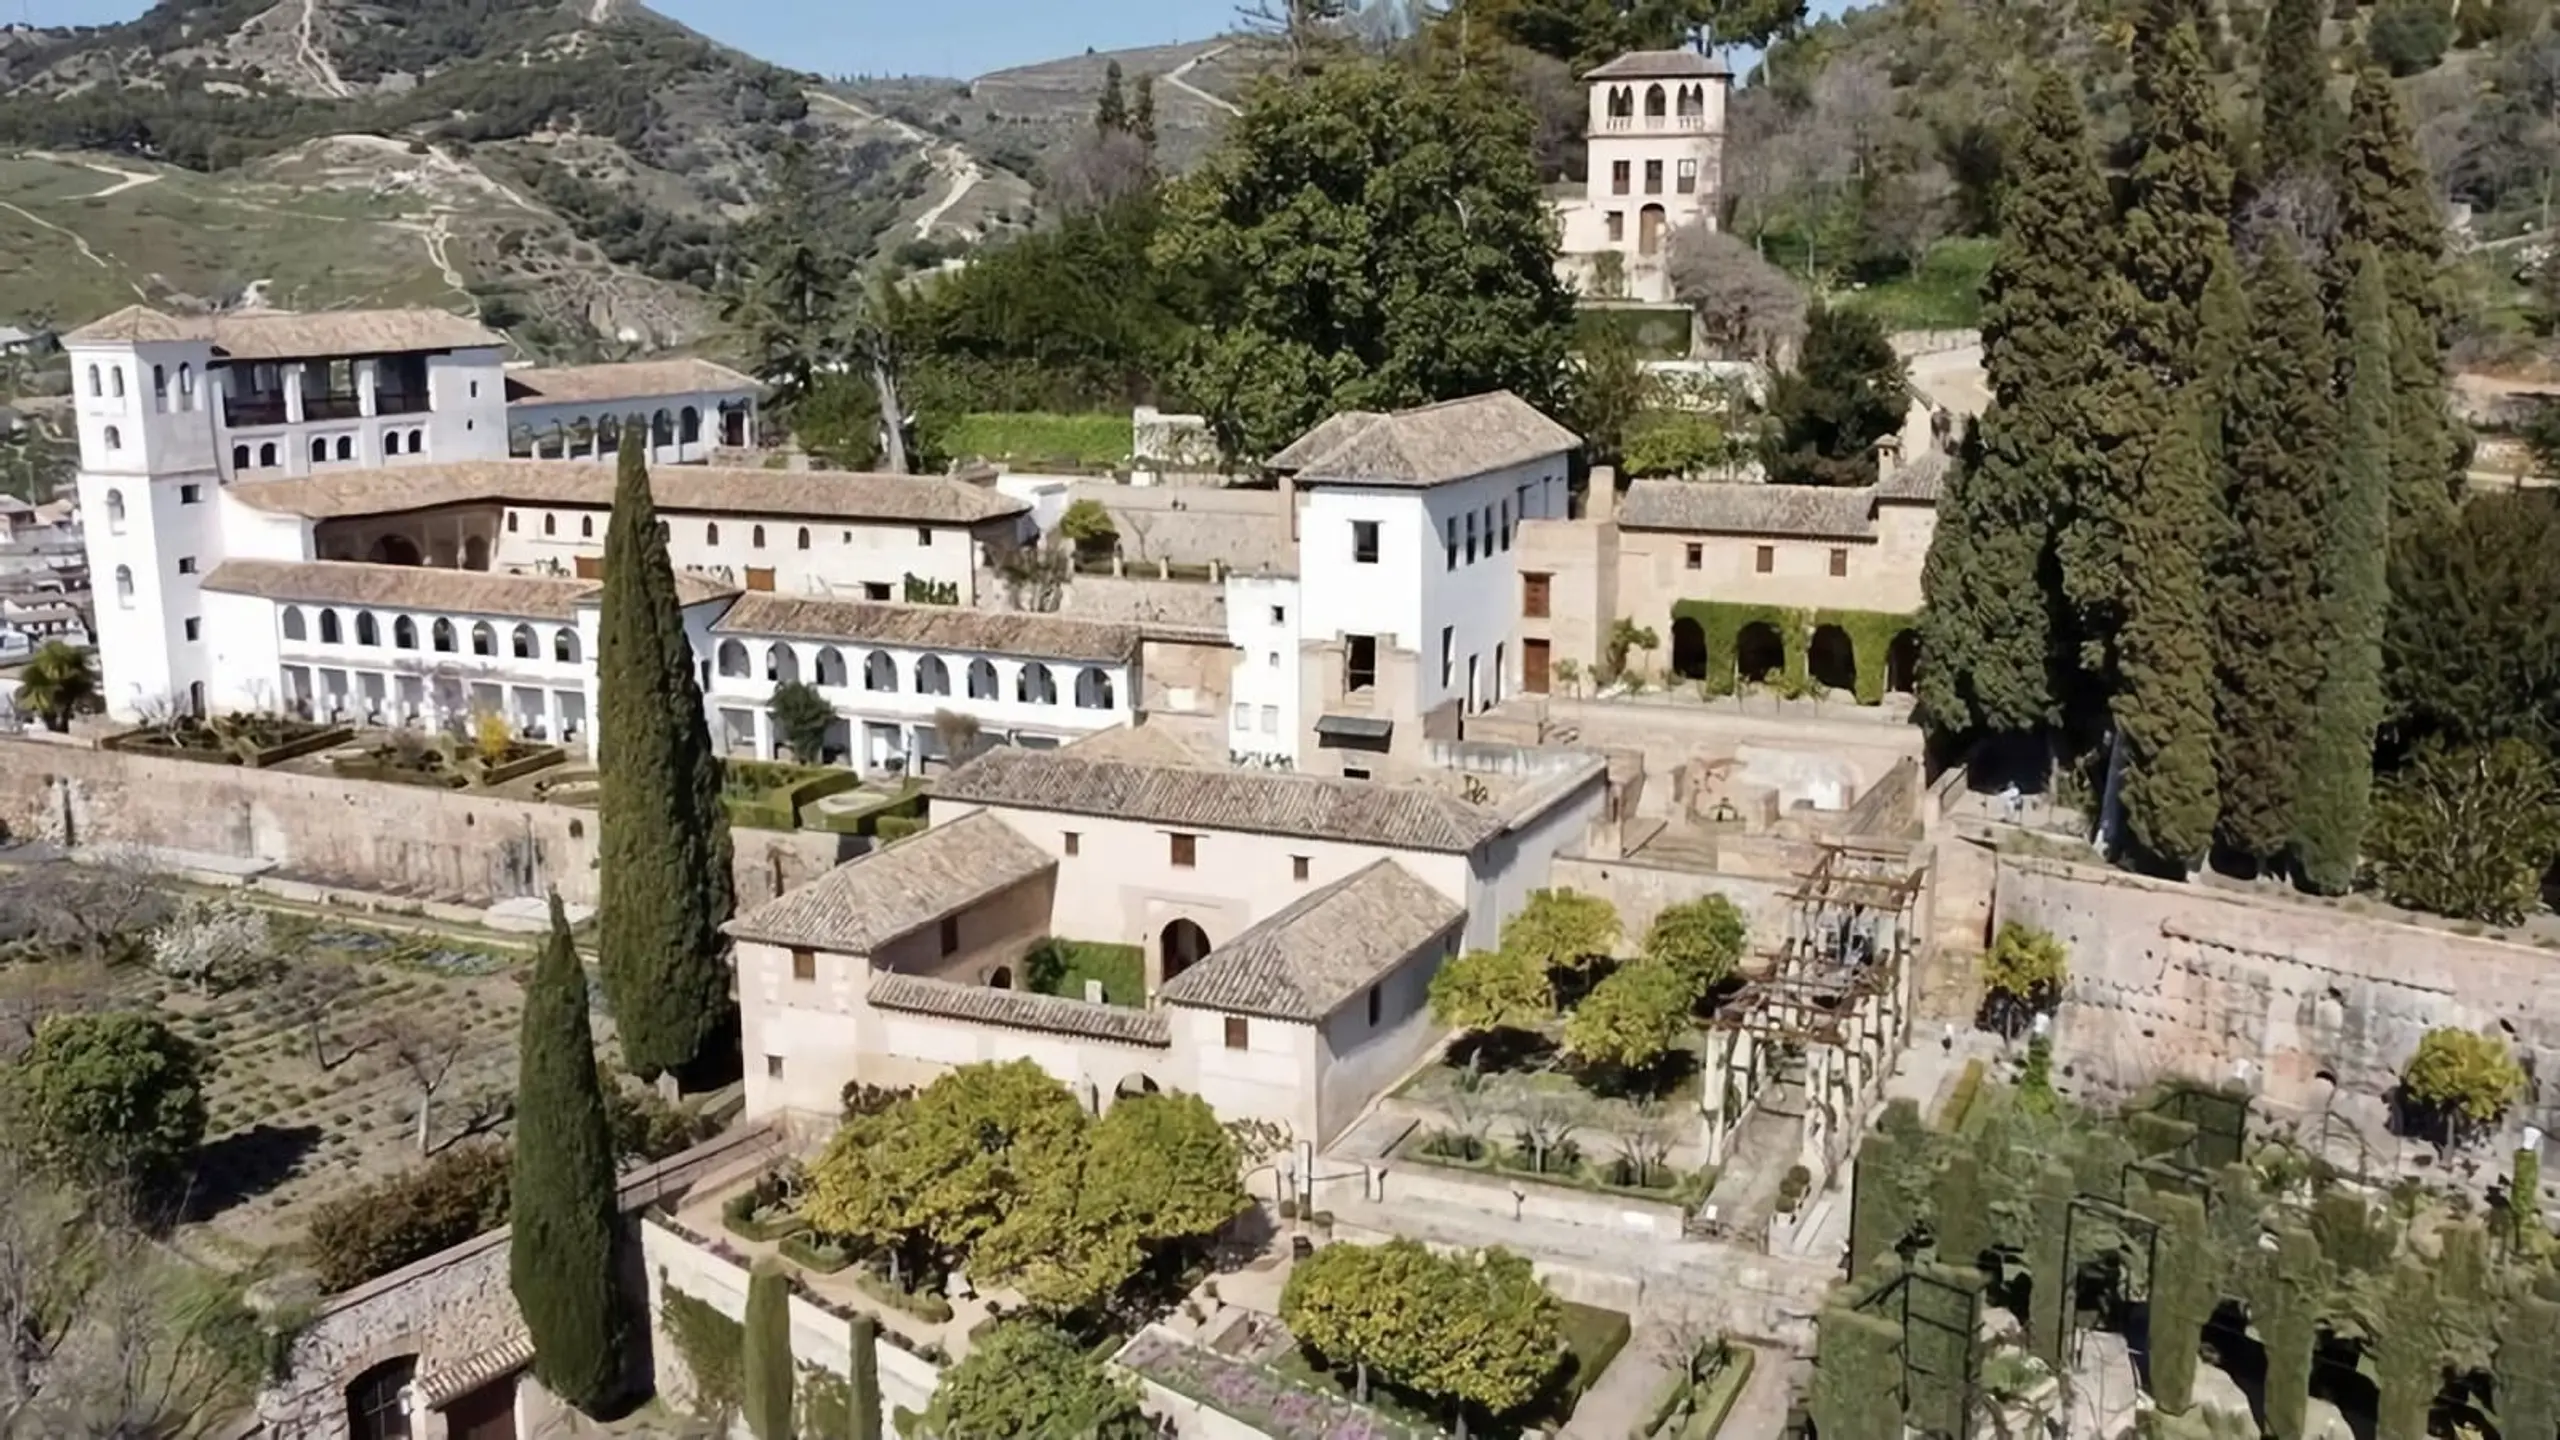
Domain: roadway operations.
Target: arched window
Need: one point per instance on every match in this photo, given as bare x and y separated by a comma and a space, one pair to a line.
239, 457
346, 447
523, 642
115, 380
732, 660
294, 629
186, 387
404, 634
1093, 689
781, 664
662, 429
378, 1402
160, 388
1622, 102
114, 438
368, 629
115, 512
1653, 102
440, 635
932, 676
390, 442
417, 440
879, 672
124, 585
1035, 686
484, 639
586, 527
550, 523
804, 537
319, 452
756, 537
267, 456
691, 421
330, 633
609, 435
830, 665
982, 680
711, 533
564, 645
95, 385
1692, 102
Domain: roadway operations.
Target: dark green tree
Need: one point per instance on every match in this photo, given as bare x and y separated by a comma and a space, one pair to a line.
560, 1256
2526, 1384
1851, 1350
2049, 1269
864, 1392
1846, 392
2335, 800
802, 717
792, 284
2472, 652
2467, 831
109, 1100
2280, 440
1142, 112
1028, 1381
1609, 395
665, 847
2297, 125
2164, 707
764, 1354
2185, 1285
1994, 634
2387, 203
1370, 237
2284, 1305
1111, 112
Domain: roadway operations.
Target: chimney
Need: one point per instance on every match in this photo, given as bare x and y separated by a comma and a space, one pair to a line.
1289, 502
1888, 457
1600, 500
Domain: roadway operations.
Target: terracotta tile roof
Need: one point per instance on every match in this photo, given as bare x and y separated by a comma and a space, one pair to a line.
1660, 65
897, 890
1307, 961
638, 379
817, 494
1921, 478
1021, 1010
1430, 445
443, 1386
1268, 802
412, 587
289, 335
1814, 512
932, 627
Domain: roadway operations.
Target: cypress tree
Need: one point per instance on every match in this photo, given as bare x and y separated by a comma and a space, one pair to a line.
2297, 126
1111, 112
865, 1389
1994, 633
665, 851
560, 1256
2280, 436
1142, 113
764, 1354
2336, 795
2386, 203
2164, 706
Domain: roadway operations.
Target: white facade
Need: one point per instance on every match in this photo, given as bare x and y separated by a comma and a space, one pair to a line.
835, 559
1263, 620
1656, 145
888, 697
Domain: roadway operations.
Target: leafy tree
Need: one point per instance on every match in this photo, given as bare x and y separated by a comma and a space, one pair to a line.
2472, 646
1027, 1380
1088, 526
791, 296
1562, 930
2334, 802
803, 717
560, 1257
838, 421
765, 1368
665, 847
1508, 1334
2409, 35
1633, 1018
1368, 238
2297, 126
2387, 202
1846, 393
1746, 307
109, 1099
2468, 832
1702, 940
57, 683
2022, 975
1609, 393
2466, 1081
1486, 990
2279, 429
1475, 1329
1154, 1171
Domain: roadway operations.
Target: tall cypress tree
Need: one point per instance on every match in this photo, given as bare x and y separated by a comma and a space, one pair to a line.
1994, 635
2386, 202
666, 881
2280, 435
560, 1260
2297, 126
2336, 794
2164, 705
765, 1370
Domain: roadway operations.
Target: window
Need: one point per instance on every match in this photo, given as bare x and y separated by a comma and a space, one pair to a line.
115, 512
950, 935
484, 639
1377, 1006
1617, 226
293, 627
124, 586
1697, 557
1448, 654
1620, 173
1271, 660
1239, 1034
114, 438
1839, 562
160, 388
346, 447
1279, 614
320, 456
378, 1403
390, 442
1449, 543
267, 456
1506, 522
875, 589
186, 387
773, 1067
924, 535
1355, 772
711, 533
239, 457
564, 645
475, 389
1186, 851
1360, 662
586, 527
1653, 177
520, 640
94, 387
1765, 560
1270, 719
186, 564
404, 634
1364, 542
1471, 537
368, 629
418, 440
511, 522
804, 964
192, 628
755, 537
1075, 842
1687, 184
1298, 868
115, 381
330, 634
440, 636
550, 524
804, 537
1243, 715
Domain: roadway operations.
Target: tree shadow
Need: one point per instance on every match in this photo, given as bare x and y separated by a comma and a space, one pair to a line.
246, 1164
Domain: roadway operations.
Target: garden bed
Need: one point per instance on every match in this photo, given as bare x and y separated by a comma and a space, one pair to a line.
1060, 967
858, 810
257, 741
518, 760
1592, 1339
768, 795
1283, 1406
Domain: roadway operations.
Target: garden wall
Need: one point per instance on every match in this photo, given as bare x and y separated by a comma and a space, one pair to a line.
2180, 979
1642, 891
362, 834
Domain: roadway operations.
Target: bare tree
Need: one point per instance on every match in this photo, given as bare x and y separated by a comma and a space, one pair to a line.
1746, 307
32, 991
1684, 1333
958, 733
1548, 1120
97, 911
1645, 1140
1098, 169
308, 994
1036, 576
1309, 30
428, 1047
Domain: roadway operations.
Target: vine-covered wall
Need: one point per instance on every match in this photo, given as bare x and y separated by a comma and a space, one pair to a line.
1871, 635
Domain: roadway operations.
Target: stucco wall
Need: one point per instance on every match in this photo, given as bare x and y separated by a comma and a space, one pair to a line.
1356, 1060
1642, 892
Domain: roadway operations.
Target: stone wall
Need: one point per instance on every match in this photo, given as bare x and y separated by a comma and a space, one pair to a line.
1842, 756
2322, 1004
1642, 891
361, 834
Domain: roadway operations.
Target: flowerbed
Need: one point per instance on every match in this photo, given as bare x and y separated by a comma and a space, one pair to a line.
1258, 1396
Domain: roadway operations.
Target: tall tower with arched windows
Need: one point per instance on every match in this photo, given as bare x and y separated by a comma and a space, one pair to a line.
1656, 146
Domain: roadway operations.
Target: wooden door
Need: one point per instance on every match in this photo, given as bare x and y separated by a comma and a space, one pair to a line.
760, 578
488, 1413
590, 567
1533, 666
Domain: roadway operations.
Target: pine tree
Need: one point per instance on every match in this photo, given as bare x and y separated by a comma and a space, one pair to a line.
2336, 795
1846, 392
2279, 429
560, 1257
1994, 634
764, 1354
1111, 112
2297, 127
665, 847
2386, 202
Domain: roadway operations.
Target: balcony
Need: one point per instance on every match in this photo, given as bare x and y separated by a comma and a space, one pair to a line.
390, 402
253, 410
1623, 124
332, 407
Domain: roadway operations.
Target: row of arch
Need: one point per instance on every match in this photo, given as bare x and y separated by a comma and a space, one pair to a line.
1690, 101
1760, 655
563, 438
1035, 684
442, 635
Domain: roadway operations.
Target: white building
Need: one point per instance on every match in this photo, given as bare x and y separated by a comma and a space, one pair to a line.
1656, 147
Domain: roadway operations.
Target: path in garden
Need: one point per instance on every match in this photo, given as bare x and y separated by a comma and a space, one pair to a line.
1760, 1413
1624, 1400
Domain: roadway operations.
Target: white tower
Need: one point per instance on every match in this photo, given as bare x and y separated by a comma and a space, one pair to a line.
1656, 147
144, 399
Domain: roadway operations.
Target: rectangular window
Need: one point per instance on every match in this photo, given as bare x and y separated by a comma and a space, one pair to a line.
1839, 562
1355, 772
1617, 226
1620, 172
1244, 714
1535, 592
1298, 867
950, 934
1364, 542
1359, 662
1376, 1006
773, 1067
1506, 524
875, 589
804, 964
1239, 1035
1471, 537
1449, 539
1697, 557
1271, 661
1765, 560
1075, 841
1279, 614
1653, 177
194, 628
511, 522
186, 564
1448, 654
1270, 719
1186, 851
924, 535
190, 494
1688, 181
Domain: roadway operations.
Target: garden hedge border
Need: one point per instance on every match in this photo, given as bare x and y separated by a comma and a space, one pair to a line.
1871, 634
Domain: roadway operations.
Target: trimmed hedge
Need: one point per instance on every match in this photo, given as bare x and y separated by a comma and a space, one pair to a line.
712, 1347
894, 828
1717, 1395
1968, 1088
908, 803
407, 1217
818, 1256
738, 1215
930, 1308
767, 795
1871, 635
1594, 1336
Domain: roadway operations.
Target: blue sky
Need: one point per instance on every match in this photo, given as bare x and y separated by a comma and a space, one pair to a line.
877, 37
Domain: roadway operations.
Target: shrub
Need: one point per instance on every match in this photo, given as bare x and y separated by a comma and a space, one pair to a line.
757, 1213
894, 828
647, 1127
2022, 976
1088, 527
822, 1255
110, 1097
214, 945
410, 1216
923, 1304
2462, 1080
2468, 832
